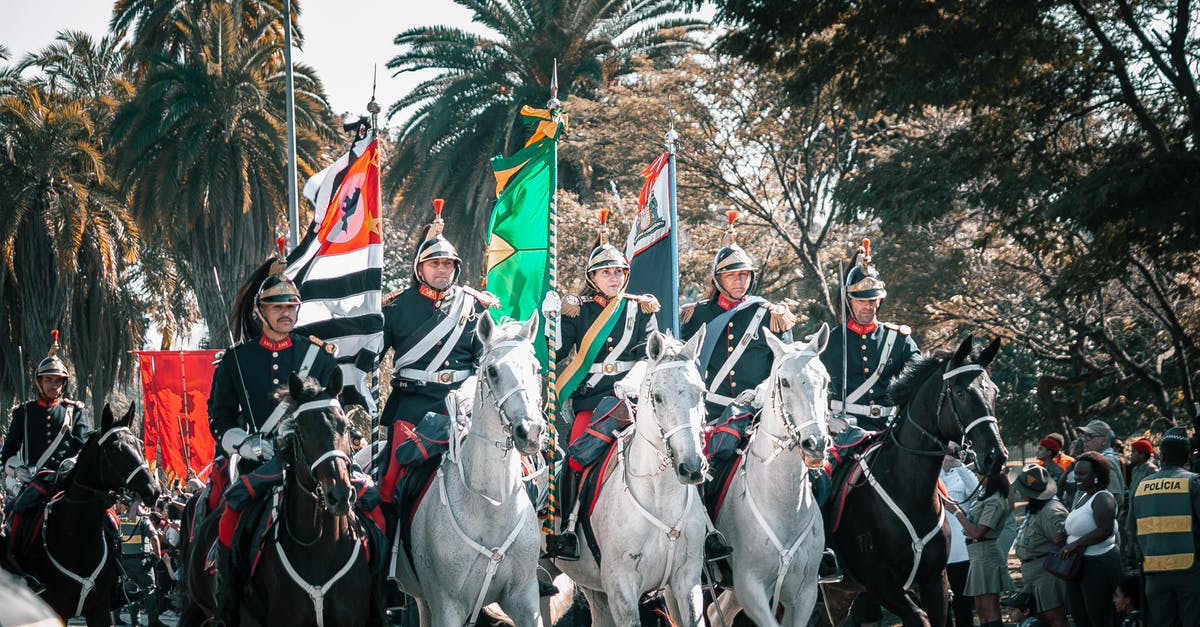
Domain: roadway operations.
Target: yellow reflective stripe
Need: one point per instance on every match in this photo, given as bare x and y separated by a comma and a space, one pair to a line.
1164, 524
1161, 563
1163, 485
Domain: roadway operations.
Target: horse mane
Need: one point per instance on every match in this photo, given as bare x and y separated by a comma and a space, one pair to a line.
904, 387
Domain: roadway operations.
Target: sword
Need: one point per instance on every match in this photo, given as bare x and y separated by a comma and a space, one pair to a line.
236, 364
845, 320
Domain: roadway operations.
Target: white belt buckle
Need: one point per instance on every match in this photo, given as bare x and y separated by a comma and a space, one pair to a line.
609, 368
445, 377
875, 411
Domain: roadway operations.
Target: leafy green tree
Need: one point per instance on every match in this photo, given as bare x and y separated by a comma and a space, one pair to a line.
200, 149
465, 114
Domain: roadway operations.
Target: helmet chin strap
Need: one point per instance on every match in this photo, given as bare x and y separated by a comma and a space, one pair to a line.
262, 316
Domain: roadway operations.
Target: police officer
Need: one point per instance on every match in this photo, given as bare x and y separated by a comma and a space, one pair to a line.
735, 357
49, 429
140, 553
1165, 516
242, 411
603, 334
869, 352
430, 329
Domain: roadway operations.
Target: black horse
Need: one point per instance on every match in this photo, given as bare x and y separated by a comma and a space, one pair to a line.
946, 399
72, 556
314, 569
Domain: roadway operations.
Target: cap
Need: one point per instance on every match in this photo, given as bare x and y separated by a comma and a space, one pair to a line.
1035, 483
1144, 446
1176, 434
1051, 445
1097, 427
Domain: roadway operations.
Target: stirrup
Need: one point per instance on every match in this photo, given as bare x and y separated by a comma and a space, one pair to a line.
829, 571
716, 548
563, 546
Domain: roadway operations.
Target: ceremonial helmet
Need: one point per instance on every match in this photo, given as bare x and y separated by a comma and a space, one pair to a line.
731, 257
435, 246
51, 364
604, 254
862, 281
277, 287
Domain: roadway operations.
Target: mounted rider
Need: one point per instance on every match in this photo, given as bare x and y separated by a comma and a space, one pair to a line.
603, 334
430, 328
44, 432
864, 355
735, 358
243, 410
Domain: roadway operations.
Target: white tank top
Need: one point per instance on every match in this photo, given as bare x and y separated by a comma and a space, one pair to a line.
1081, 521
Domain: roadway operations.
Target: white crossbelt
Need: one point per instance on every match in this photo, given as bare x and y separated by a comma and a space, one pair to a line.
874, 378
437, 376
600, 370
720, 399
281, 408
874, 411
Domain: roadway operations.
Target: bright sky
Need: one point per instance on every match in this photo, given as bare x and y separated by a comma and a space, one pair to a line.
344, 39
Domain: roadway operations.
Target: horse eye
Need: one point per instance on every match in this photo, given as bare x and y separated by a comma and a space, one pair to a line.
492, 372
658, 398
785, 383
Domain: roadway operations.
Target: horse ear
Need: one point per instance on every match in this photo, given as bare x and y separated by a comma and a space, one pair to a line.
963, 352
773, 342
106, 418
127, 419
484, 327
820, 339
655, 344
692, 348
989, 353
335, 383
529, 331
295, 386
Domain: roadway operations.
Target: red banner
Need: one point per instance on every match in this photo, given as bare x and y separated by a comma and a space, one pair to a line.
175, 387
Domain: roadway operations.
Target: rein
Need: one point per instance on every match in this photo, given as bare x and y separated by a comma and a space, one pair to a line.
791, 438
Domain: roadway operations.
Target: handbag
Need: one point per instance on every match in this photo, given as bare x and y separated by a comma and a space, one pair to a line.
1068, 568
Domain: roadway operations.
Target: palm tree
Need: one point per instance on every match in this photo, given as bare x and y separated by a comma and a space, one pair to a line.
65, 239
465, 114
200, 148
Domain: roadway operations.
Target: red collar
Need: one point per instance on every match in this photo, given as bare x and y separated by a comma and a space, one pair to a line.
862, 329
47, 404
431, 294
727, 303
266, 343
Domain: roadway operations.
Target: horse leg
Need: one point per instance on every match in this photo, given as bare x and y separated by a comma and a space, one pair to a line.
524, 607
838, 600
686, 600
601, 611
797, 614
722, 611
756, 601
899, 601
934, 598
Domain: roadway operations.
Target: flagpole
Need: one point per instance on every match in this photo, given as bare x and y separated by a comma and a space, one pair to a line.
552, 321
672, 144
293, 191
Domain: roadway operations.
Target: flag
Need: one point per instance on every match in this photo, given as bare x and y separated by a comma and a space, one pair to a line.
519, 246
338, 265
175, 388
653, 268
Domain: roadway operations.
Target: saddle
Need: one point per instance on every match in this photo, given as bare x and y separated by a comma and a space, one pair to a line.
849, 447
28, 510
593, 480
717, 488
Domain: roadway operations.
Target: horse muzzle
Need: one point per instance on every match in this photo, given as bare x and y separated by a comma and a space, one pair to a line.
812, 451
338, 498
691, 472
527, 436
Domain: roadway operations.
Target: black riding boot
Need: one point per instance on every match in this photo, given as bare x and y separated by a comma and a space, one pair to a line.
229, 589
565, 544
716, 548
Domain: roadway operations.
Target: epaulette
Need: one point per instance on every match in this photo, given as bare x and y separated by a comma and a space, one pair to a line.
487, 299
390, 298
782, 318
329, 347
902, 329
685, 312
646, 302
217, 358
75, 404
570, 305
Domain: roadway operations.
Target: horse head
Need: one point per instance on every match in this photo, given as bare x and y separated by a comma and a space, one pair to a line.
112, 460
674, 392
799, 389
509, 376
955, 389
313, 439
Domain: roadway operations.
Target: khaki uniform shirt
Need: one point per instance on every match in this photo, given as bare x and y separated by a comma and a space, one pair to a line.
1035, 538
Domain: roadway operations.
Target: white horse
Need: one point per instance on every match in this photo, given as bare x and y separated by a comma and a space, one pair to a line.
770, 516
475, 536
650, 523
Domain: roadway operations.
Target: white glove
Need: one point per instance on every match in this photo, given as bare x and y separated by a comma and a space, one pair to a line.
627, 387
24, 474
256, 448
747, 397
232, 439
551, 304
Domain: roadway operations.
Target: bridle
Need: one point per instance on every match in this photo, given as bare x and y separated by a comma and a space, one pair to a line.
666, 453
947, 375
792, 436
98, 491
308, 481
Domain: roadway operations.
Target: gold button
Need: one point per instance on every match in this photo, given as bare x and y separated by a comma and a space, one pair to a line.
730, 349
275, 354
275, 381
864, 347
731, 336
610, 340
274, 366
870, 391
733, 384
731, 373
864, 357
866, 370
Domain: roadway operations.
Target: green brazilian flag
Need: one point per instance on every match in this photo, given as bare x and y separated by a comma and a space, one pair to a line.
518, 251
